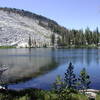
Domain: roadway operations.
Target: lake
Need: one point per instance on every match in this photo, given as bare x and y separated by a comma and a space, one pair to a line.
39, 67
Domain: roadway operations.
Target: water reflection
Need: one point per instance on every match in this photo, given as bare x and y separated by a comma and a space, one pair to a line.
26, 63
43, 65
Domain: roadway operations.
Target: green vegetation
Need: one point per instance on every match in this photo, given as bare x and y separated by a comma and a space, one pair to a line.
70, 77
71, 82
79, 38
84, 80
68, 38
5, 47
35, 94
53, 39
66, 89
30, 42
98, 97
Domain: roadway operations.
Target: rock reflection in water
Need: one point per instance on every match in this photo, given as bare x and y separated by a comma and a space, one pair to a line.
26, 63
39, 64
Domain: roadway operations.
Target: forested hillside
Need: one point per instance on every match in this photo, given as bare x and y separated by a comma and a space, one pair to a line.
43, 31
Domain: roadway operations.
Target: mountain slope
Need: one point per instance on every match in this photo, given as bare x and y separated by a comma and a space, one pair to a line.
16, 26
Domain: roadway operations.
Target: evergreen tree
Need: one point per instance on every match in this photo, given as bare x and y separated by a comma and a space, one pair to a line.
58, 41
29, 42
53, 39
97, 36
87, 35
84, 79
58, 84
70, 78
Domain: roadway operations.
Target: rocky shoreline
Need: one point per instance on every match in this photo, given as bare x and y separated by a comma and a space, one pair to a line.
90, 93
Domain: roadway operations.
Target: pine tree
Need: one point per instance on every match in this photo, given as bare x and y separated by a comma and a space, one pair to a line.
58, 41
97, 36
70, 78
29, 42
84, 79
58, 84
53, 39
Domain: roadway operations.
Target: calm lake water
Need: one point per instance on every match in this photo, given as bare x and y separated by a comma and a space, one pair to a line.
39, 67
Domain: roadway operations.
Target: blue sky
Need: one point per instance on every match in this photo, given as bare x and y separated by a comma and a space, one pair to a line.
77, 14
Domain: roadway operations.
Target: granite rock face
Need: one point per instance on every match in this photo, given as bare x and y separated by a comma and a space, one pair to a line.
15, 30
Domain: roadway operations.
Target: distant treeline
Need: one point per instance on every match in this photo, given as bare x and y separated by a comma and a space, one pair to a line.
79, 38
65, 37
